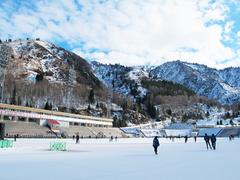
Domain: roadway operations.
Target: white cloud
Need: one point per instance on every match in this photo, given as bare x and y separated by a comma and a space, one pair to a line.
228, 26
213, 10
132, 31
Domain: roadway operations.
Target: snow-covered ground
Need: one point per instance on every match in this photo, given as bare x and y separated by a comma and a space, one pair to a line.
126, 159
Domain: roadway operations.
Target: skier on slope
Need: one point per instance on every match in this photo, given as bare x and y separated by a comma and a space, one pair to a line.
155, 144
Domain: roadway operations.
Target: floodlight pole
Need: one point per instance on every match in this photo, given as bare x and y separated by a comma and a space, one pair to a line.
3, 82
110, 96
5, 68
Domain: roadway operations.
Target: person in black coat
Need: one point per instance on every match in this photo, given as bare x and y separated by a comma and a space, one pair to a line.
155, 144
15, 137
77, 138
213, 141
206, 138
195, 138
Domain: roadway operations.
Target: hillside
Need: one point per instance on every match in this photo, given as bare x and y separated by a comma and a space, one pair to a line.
154, 98
38, 72
220, 85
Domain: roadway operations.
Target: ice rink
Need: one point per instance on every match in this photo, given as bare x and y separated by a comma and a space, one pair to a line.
126, 159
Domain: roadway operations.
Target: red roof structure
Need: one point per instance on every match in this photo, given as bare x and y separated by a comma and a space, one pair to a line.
53, 122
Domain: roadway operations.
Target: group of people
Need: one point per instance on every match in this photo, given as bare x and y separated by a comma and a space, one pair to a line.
111, 138
207, 139
77, 137
211, 139
185, 138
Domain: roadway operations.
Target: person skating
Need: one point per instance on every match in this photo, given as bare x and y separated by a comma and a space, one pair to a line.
77, 138
213, 141
155, 144
15, 137
111, 139
186, 138
195, 138
206, 138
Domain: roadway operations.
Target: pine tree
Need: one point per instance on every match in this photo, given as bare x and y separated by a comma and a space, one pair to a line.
89, 107
13, 99
39, 77
46, 106
152, 110
207, 114
19, 102
169, 112
97, 106
91, 97
113, 85
115, 121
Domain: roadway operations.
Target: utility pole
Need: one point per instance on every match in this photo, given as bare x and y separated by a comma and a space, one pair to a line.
110, 96
5, 53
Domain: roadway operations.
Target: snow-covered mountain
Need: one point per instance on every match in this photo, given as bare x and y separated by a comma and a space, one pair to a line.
221, 85
122, 79
35, 59
32, 60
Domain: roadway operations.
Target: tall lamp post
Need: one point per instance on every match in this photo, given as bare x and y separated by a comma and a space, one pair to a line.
5, 52
110, 97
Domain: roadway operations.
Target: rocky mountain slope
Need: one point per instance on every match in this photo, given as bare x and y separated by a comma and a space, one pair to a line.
35, 59
36, 72
221, 85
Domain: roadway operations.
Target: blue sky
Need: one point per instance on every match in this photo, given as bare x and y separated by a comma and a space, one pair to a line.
131, 32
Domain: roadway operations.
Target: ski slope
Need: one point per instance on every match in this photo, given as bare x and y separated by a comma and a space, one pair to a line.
126, 159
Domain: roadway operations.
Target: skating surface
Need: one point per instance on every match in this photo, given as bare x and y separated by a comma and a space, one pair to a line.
126, 159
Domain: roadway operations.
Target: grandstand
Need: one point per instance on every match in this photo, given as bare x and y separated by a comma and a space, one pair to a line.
226, 132
178, 130
25, 129
107, 132
209, 131
33, 122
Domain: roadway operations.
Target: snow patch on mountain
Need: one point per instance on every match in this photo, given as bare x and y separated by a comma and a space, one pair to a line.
121, 78
137, 73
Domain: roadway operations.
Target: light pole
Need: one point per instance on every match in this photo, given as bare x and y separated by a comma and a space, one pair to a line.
2, 84
110, 97
5, 52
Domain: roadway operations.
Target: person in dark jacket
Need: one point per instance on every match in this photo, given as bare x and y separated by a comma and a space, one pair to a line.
186, 138
206, 138
195, 138
77, 138
213, 141
155, 144
15, 137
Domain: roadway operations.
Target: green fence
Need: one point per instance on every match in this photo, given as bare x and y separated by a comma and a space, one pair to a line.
6, 143
58, 146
